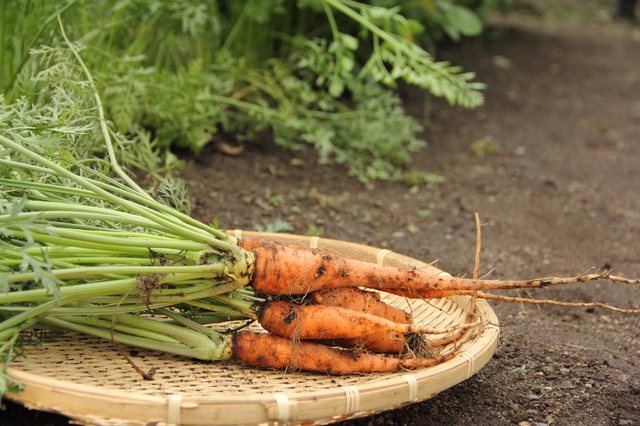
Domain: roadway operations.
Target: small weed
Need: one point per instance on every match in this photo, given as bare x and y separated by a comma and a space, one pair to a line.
522, 370
411, 227
366, 218
485, 146
277, 200
437, 206
332, 201
278, 225
416, 178
497, 413
315, 231
297, 193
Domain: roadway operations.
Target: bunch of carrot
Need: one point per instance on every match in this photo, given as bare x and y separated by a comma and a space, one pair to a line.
81, 251
341, 313
89, 255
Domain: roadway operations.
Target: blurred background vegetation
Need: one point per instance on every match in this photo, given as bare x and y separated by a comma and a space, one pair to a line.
307, 73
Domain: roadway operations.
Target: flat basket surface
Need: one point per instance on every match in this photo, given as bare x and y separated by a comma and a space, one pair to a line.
85, 379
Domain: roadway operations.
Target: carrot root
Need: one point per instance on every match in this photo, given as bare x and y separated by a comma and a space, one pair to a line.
321, 322
360, 300
369, 302
287, 269
313, 322
268, 350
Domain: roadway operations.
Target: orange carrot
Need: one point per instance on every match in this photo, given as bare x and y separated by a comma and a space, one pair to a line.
310, 322
369, 302
322, 322
286, 269
360, 300
267, 350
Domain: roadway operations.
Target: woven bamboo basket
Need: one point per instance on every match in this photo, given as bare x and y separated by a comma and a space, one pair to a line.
84, 378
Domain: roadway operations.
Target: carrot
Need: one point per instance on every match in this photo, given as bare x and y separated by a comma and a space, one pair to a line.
388, 343
268, 350
287, 269
369, 302
360, 300
310, 322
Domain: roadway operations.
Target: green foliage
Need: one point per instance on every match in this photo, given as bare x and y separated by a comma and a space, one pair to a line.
308, 72
487, 145
7, 384
446, 18
459, 20
278, 225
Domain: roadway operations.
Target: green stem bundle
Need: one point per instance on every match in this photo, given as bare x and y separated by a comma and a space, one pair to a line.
93, 256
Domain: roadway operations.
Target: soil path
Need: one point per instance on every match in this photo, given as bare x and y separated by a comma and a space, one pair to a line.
560, 196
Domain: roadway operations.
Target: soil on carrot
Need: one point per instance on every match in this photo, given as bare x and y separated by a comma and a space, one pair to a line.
550, 163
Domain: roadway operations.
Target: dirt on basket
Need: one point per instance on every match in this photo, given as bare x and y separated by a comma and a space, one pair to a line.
552, 165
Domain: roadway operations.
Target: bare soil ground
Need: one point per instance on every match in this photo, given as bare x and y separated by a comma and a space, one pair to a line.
560, 196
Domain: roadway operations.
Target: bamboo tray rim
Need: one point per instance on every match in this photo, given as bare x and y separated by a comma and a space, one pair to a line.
119, 407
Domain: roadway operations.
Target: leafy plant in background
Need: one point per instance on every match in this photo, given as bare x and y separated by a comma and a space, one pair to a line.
442, 18
278, 225
307, 72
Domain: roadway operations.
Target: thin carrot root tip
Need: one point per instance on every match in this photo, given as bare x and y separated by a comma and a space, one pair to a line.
268, 350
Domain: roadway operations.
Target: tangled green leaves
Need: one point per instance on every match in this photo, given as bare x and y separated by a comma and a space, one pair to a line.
304, 72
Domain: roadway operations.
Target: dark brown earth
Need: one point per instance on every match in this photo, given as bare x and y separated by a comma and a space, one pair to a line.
562, 195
